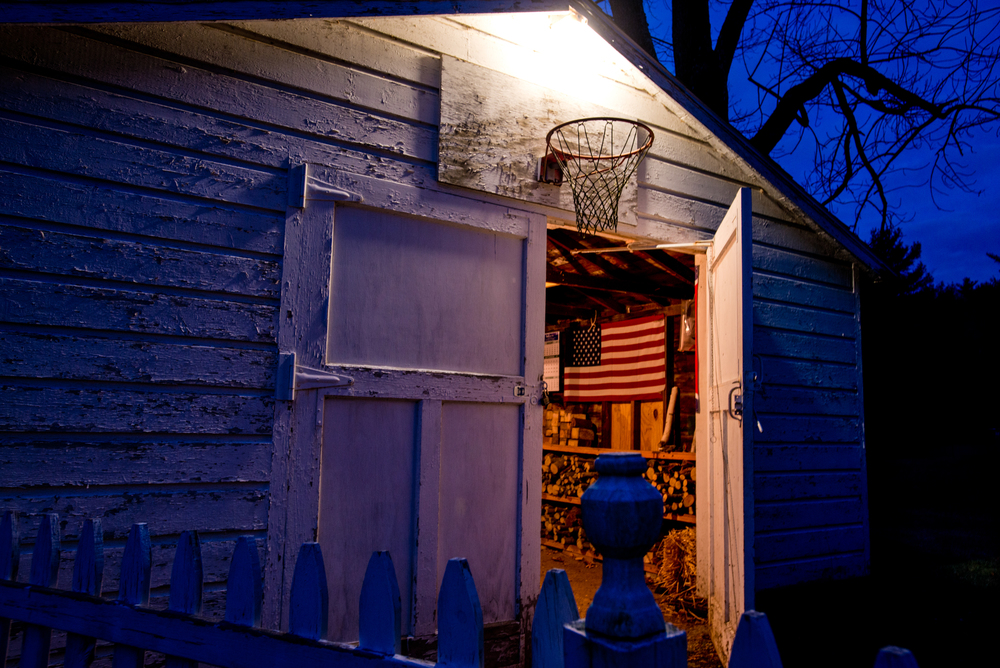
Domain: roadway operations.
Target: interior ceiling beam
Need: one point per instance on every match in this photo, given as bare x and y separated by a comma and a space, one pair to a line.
555, 311
647, 290
566, 252
602, 301
668, 263
567, 245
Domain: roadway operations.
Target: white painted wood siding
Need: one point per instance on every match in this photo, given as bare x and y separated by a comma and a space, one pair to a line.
143, 192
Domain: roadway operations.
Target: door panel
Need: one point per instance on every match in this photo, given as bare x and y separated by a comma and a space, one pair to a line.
729, 456
414, 294
431, 304
479, 500
366, 499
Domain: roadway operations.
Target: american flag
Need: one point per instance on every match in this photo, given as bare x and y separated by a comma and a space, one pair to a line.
632, 364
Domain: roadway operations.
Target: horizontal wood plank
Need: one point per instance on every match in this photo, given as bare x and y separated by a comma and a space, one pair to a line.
798, 265
807, 485
209, 509
770, 458
352, 44
239, 137
799, 319
805, 514
796, 401
803, 346
782, 371
791, 291
85, 155
260, 60
58, 253
94, 462
808, 429
829, 567
56, 355
25, 408
101, 207
700, 219
808, 543
781, 233
60, 305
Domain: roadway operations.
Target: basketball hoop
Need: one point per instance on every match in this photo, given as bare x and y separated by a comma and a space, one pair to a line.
597, 156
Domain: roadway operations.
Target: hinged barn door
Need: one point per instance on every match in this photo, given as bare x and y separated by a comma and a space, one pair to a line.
411, 418
730, 512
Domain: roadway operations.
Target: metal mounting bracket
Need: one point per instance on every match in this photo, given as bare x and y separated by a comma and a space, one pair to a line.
292, 378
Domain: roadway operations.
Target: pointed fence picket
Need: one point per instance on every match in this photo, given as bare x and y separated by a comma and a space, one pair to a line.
237, 642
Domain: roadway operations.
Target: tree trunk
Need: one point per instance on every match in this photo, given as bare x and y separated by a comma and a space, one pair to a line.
695, 62
630, 16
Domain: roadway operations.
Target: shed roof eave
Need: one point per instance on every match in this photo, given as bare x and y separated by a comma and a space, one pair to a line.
133, 11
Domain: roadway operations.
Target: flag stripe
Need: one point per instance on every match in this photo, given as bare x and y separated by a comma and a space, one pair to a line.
632, 364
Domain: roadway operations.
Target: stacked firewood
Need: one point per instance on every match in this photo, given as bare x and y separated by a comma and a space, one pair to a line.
561, 524
575, 425
567, 475
674, 480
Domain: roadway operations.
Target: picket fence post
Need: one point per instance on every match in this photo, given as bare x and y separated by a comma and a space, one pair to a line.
623, 515
380, 610
133, 589
754, 646
10, 556
244, 593
555, 608
88, 572
44, 570
308, 609
460, 618
186, 585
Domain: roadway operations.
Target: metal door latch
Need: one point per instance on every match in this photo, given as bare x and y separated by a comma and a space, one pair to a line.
736, 402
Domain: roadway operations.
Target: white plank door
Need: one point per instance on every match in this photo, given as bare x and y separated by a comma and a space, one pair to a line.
729, 451
431, 306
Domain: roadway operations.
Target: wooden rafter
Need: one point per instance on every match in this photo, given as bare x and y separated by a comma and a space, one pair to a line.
647, 290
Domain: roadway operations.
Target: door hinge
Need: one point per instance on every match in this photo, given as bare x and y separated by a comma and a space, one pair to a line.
303, 187
292, 378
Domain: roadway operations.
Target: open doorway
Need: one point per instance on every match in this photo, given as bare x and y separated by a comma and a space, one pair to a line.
643, 399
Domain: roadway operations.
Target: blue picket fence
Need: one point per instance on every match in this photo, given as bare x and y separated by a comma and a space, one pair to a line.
624, 626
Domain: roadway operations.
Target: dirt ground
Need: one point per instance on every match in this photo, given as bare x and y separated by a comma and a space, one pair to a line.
586, 578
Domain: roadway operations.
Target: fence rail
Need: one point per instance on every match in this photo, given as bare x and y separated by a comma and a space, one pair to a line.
624, 626
237, 642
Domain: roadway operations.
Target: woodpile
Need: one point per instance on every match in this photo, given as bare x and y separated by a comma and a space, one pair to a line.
575, 425
675, 480
567, 475
561, 524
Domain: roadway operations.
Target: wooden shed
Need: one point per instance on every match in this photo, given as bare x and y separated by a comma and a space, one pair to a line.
280, 269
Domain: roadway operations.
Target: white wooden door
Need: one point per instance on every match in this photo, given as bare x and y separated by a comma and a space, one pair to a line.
729, 451
431, 306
